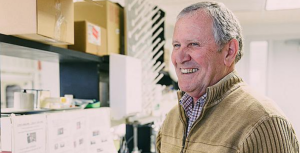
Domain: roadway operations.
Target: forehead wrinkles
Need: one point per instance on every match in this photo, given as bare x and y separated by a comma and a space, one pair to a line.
198, 24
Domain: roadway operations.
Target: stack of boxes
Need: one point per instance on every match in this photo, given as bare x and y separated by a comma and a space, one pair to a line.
98, 26
103, 15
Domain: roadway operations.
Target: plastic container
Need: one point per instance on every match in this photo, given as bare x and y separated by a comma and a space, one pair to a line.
93, 105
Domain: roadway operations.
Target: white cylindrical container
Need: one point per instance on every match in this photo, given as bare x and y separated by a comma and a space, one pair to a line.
23, 100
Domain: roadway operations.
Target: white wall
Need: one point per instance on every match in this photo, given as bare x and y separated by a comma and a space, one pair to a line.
49, 78
283, 83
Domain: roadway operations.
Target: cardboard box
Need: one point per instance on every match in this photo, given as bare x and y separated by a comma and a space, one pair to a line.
89, 38
106, 14
47, 21
61, 46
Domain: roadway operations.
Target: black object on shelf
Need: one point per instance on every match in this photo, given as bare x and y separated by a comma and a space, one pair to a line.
79, 79
104, 64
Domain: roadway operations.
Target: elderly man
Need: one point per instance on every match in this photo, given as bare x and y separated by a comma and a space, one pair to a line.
217, 111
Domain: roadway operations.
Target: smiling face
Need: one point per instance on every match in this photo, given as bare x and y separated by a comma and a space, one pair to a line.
195, 54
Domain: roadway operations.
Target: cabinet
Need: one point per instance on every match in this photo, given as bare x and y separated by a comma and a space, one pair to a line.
79, 72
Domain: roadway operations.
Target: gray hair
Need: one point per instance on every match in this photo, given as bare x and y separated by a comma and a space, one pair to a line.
225, 24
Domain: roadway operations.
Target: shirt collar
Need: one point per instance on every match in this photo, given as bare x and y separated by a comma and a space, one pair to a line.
187, 102
216, 92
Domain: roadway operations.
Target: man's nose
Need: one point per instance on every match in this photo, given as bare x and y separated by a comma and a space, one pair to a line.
183, 55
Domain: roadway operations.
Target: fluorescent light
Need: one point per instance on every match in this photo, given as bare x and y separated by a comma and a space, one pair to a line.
282, 4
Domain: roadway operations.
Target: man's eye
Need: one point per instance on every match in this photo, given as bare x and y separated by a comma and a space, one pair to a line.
194, 44
176, 45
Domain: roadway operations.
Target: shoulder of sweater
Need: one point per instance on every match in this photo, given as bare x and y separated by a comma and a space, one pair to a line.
274, 133
246, 98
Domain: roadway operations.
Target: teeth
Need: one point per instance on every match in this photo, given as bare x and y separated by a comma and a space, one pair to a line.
185, 71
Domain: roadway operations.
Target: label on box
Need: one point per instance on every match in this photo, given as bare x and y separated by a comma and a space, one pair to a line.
94, 34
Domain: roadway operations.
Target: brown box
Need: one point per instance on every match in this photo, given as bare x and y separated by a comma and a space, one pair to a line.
89, 38
106, 14
48, 21
60, 46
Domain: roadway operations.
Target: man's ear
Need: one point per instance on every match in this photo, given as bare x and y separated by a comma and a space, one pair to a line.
231, 51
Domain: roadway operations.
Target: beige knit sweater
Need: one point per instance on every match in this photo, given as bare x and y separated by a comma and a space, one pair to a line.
235, 119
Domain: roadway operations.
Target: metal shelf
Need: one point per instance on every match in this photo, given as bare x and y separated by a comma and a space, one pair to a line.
79, 71
18, 47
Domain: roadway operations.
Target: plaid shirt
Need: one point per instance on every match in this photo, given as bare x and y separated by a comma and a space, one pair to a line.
193, 112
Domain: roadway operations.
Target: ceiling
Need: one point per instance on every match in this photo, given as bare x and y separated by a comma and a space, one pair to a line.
249, 11
173, 7
254, 18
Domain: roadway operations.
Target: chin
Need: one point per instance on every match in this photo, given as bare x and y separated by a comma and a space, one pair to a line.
190, 90
182, 86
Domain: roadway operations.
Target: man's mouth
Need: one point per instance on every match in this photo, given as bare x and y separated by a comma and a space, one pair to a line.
186, 71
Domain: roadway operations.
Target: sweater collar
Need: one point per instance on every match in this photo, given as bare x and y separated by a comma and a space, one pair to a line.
216, 92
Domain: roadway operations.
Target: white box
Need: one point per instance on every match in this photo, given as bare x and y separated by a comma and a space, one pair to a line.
125, 86
26, 133
59, 132
6, 133
74, 131
99, 135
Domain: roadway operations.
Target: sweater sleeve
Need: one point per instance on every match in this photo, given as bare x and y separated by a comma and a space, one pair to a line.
274, 135
158, 142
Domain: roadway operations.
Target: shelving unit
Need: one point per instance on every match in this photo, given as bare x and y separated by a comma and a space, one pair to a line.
79, 71
18, 47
